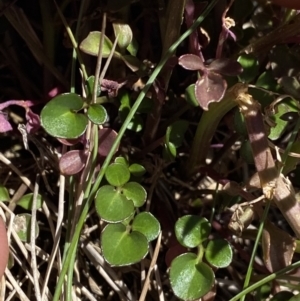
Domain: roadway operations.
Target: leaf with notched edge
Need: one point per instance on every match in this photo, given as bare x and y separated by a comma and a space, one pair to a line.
210, 88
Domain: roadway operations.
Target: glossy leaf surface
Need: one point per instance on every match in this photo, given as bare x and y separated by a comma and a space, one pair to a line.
147, 224
192, 230
190, 280
135, 192
111, 205
60, 119
120, 247
97, 114
117, 174
218, 253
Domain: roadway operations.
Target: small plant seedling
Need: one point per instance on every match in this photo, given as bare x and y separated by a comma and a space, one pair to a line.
116, 204
192, 278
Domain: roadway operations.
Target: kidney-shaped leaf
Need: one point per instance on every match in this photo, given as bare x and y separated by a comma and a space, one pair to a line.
135, 192
90, 44
189, 279
210, 88
192, 230
191, 62
117, 174
111, 205
27, 199
218, 253
147, 224
120, 247
60, 119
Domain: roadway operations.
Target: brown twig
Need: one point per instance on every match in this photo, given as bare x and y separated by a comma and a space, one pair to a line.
274, 185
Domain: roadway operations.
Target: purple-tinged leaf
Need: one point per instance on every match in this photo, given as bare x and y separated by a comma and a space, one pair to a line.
33, 121
112, 87
70, 142
54, 92
72, 162
210, 88
106, 139
4, 124
226, 67
191, 62
21, 103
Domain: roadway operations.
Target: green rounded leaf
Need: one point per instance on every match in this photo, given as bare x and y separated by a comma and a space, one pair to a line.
124, 33
250, 67
189, 279
192, 230
4, 195
137, 170
111, 205
121, 160
97, 114
90, 44
26, 201
120, 247
135, 192
59, 117
218, 253
117, 174
22, 226
147, 224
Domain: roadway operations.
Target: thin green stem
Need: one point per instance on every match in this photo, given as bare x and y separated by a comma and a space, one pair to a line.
74, 54
137, 103
73, 41
267, 279
257, 240
99, 59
